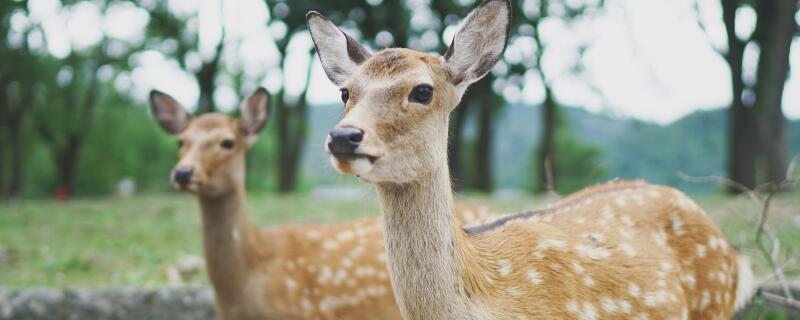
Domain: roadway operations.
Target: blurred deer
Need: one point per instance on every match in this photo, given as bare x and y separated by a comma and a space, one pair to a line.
619, 250
334, 271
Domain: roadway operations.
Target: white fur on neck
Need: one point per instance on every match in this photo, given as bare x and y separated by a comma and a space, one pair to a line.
421, 256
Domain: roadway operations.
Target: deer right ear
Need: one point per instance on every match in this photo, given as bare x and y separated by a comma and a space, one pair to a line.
339, 53
168, 112
479, 43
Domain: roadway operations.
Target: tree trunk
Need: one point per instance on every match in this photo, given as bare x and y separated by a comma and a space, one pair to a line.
291, 136
16, 150
205, 80
483, 145
546, 164
741, 127
292, 145
67, 165
455, 144
3, 146
774, 33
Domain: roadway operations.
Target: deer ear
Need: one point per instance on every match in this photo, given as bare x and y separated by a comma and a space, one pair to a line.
339, 53
168, 112
479, 43
254, 111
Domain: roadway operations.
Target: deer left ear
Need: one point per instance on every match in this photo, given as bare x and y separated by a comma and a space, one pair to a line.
253, 112
478, 44
339, 53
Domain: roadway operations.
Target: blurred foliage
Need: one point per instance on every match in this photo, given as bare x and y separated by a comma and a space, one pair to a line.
82, 103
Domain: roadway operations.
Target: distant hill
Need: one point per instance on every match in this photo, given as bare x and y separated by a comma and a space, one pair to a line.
630, 148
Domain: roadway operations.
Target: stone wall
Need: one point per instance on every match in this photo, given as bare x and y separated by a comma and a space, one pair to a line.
107, 304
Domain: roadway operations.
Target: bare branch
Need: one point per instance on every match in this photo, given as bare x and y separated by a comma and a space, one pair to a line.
781, 300
722, 181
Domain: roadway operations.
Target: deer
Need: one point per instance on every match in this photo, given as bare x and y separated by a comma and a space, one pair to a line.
330, 271
624, 249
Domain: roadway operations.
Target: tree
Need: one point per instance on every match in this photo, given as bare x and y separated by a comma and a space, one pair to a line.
64, 113
165, 25
291, 115
17, 83
529, 22
756, 124
774, 33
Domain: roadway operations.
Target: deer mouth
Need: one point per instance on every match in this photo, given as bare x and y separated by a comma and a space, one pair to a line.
354, 157
353, 164
192, 186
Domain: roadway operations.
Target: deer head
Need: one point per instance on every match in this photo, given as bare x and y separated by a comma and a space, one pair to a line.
397, 101
211, 146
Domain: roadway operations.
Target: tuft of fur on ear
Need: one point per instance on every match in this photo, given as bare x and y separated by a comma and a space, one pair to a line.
254, 111
479, 43
339, 53
168, 112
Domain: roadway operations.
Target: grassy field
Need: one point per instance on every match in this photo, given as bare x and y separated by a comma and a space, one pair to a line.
132, 241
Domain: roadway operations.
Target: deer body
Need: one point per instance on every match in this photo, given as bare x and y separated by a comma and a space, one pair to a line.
619, 250
332, 271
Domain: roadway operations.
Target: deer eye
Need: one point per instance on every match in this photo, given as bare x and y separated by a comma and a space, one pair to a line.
421, 94
227, 144
180, 143
345, 95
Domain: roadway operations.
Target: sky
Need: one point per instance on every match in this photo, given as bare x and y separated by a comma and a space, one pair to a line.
646, 59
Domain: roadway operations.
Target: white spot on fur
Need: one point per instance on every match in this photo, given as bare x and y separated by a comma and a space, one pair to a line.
713, 243
626, 220
624, 305
627, 249
608, 304
705, 300
660, 237
677, 225
504, 267
330, 245
745, 284
306, 304
290, 284
591, 252
585, 312
346, 235
313, 235
578, 268
324, 275
548, 244
347, 263
634, 290
652, 299
534, 277
701, 251
626, 233
588, 281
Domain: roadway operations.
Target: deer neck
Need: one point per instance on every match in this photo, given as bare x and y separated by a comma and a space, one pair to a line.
425, 249
227, 234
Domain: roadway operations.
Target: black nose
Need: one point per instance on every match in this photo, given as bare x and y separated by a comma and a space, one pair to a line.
345, 140
183, 175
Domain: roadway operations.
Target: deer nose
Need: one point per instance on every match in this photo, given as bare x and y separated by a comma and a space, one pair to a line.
182, 175
345, 140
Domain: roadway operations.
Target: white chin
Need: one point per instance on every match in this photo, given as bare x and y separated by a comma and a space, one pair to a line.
361, 166
357, 166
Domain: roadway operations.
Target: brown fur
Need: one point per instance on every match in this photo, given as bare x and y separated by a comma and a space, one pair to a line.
617, 250
333, 271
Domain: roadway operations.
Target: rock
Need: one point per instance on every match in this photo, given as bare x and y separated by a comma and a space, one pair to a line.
177, 303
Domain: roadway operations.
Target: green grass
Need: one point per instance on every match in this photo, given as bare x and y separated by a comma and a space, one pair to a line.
130, 241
